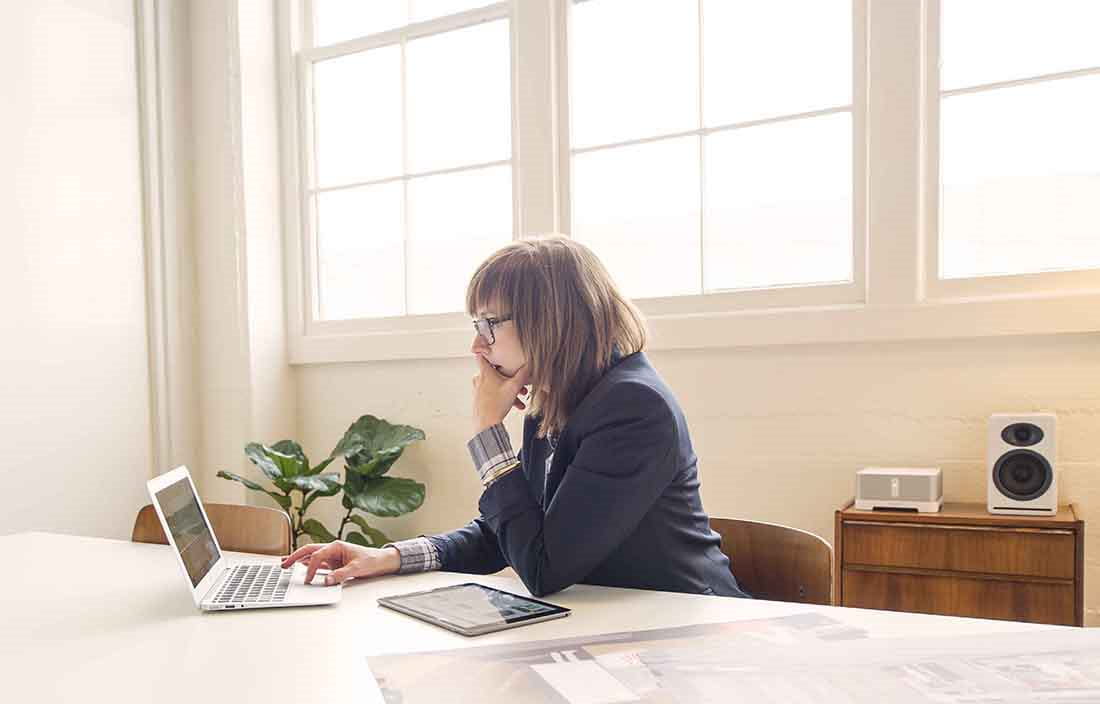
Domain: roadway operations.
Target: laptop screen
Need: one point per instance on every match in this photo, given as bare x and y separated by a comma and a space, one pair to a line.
189, 529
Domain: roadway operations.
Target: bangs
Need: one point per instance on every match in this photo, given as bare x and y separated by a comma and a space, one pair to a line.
496, 282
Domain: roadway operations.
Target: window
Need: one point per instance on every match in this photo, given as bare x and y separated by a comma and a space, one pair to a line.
1019, 142
752, 172
714, 137
409, 160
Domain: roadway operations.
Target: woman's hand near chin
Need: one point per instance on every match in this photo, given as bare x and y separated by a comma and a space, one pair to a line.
496, 394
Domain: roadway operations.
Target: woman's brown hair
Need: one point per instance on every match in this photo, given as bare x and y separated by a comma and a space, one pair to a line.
569, 317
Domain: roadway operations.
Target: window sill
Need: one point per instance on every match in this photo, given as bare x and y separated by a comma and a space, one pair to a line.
825, 324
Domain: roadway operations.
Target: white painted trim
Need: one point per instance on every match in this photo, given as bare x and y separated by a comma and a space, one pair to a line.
410, 176
563, 118
158, 232
413, 31
289, 28
1020, 81
707, 131
894, 72
861, 150
534, 154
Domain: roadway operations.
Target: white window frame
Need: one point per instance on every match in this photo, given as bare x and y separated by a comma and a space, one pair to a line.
895, 106
1050, 282
725, 301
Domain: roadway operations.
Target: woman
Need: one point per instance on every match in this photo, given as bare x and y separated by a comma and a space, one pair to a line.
605, 488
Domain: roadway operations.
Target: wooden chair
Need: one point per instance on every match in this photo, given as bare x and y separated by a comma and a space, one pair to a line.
775, 562
254, 529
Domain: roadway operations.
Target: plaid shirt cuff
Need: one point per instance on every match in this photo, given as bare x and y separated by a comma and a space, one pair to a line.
491, 451
417, 555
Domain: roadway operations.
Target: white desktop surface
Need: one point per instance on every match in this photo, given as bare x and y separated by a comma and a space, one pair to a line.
95, 620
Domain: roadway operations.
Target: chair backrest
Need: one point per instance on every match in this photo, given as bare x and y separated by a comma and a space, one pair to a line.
775, 562
254, 529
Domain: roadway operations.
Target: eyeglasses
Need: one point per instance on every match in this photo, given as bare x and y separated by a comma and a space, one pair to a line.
484, 327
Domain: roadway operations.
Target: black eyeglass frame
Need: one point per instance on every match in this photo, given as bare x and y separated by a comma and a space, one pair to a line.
489, 324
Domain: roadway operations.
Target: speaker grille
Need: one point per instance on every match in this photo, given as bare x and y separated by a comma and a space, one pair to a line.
910, 488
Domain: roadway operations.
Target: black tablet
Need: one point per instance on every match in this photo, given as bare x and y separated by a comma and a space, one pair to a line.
473, 609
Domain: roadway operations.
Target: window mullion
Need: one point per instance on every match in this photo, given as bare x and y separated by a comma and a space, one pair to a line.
405, 171
534, 153
895, 99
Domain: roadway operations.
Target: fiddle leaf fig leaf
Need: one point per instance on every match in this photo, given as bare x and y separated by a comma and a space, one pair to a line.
376, 537
371, 445
385, 496
317, 482
320, 467
317, 531
281, 499
373, 465
313, 496
258, 454
289, 457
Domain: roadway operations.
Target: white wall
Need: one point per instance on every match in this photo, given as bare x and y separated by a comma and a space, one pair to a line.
74, 414
780, 431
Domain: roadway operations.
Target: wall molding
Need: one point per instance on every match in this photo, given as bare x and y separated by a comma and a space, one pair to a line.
157, 230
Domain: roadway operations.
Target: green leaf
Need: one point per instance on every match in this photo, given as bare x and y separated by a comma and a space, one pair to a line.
371, 445
317, 531
280, 499
358, 539
311, 497
288, 457
319, 468
377, 538
373, 465
257, 453
385, 496
320, 482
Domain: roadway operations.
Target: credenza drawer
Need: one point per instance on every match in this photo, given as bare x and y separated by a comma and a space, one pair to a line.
1008, 551
1037, 602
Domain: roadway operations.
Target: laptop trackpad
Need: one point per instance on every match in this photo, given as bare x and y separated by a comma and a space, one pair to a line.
298, 578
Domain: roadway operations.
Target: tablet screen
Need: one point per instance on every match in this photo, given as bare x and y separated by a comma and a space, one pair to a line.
473, 606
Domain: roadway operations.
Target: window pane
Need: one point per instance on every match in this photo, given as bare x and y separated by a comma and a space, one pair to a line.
1021, 179
456, 220
633, 69
357, 102
779, 204
340, 20
422, 10
360, 255
763, 59
985, 41
638, 205
459, 97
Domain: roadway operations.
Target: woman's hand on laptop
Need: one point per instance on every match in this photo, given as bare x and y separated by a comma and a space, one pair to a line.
346, 560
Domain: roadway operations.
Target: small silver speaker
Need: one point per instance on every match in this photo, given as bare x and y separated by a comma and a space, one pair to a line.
1020, 460
906, 488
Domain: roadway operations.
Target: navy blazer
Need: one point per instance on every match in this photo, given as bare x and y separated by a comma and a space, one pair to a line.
619, 507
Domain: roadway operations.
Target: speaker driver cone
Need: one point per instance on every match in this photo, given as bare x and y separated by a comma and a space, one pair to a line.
1022, 475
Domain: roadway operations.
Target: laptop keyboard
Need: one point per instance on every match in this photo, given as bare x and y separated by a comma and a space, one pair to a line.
250, 584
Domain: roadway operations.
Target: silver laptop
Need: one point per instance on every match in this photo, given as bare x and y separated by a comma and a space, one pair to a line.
217, 583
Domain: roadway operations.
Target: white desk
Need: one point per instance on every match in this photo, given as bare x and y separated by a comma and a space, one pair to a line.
93, 620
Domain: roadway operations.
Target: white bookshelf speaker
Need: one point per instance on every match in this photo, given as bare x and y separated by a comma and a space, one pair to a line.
1020, 461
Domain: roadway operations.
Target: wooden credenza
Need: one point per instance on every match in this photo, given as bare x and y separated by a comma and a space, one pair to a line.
962, 561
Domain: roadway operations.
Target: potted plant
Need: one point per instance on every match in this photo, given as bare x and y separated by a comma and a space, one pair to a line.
369, 448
